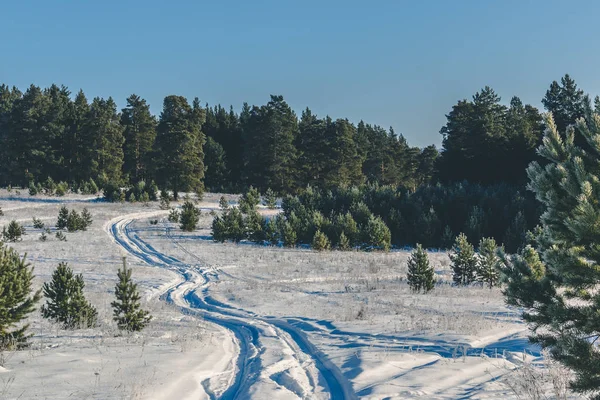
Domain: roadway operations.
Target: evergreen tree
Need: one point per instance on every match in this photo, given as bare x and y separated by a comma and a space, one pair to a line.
216, 177
74, 222
103, 142
320, 241
566, 102
377, 234
249, 200
487, 262
254, 223
179, 146
464, 262
127, 310
288, 235
78, 141
343, 243
559, 293
139, 131
270, 199
86, 219
16, 276
269, 134
66, 302
189, 217
271, 231
420, 274
14, 232
63, 217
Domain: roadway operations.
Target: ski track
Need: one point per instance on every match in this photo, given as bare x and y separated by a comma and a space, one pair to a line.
249, 329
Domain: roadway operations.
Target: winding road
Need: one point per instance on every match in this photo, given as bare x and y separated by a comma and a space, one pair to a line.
303, 370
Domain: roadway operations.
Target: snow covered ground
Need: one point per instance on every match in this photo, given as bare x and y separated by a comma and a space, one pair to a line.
246, 321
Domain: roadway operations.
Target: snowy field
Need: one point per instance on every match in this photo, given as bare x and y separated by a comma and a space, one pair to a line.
245, 321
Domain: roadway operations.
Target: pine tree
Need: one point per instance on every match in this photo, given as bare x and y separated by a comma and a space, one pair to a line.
463, 260
127, 310
270, 199
343, 243
189, 217
103, 135
269, 153
139, 134
320, 241
377, 234
215, 161
74, 222
86, 219
271, 231
420, 274
249, 200
487, 262
178, 147
16, 276
37, 223
254, 223
557, 282
223, 203
66, 302
14, 232
63, 217
288, 235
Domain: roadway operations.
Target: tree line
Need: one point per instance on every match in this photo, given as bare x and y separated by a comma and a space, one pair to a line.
48, 133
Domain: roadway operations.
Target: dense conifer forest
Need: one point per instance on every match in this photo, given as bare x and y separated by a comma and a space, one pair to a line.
52, 138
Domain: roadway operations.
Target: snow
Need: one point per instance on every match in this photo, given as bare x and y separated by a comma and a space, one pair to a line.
246, 321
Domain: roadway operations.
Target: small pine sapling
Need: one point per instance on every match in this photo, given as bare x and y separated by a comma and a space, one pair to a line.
189, 217
127, 312
464, 262
14, 232
66, 303
487, 262
420, 273
270, 199
16, 277
320, 241
37, 223
63, 217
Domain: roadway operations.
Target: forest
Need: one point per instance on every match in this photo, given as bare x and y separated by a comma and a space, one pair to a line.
476, 182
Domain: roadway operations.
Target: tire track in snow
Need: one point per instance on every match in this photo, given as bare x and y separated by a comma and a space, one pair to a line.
248, 329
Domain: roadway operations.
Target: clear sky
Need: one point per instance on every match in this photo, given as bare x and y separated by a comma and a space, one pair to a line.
393, 63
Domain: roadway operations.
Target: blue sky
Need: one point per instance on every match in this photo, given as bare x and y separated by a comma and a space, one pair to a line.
393, 63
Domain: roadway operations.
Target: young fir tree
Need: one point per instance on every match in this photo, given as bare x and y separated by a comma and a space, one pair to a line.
63, 217
66, 303
320, 241
37, 223
464, 262
559, 293
420, 274
16, 276
487, 262
127, 310
189, 216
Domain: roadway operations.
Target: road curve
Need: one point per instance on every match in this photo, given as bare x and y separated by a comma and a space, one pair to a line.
253, 333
